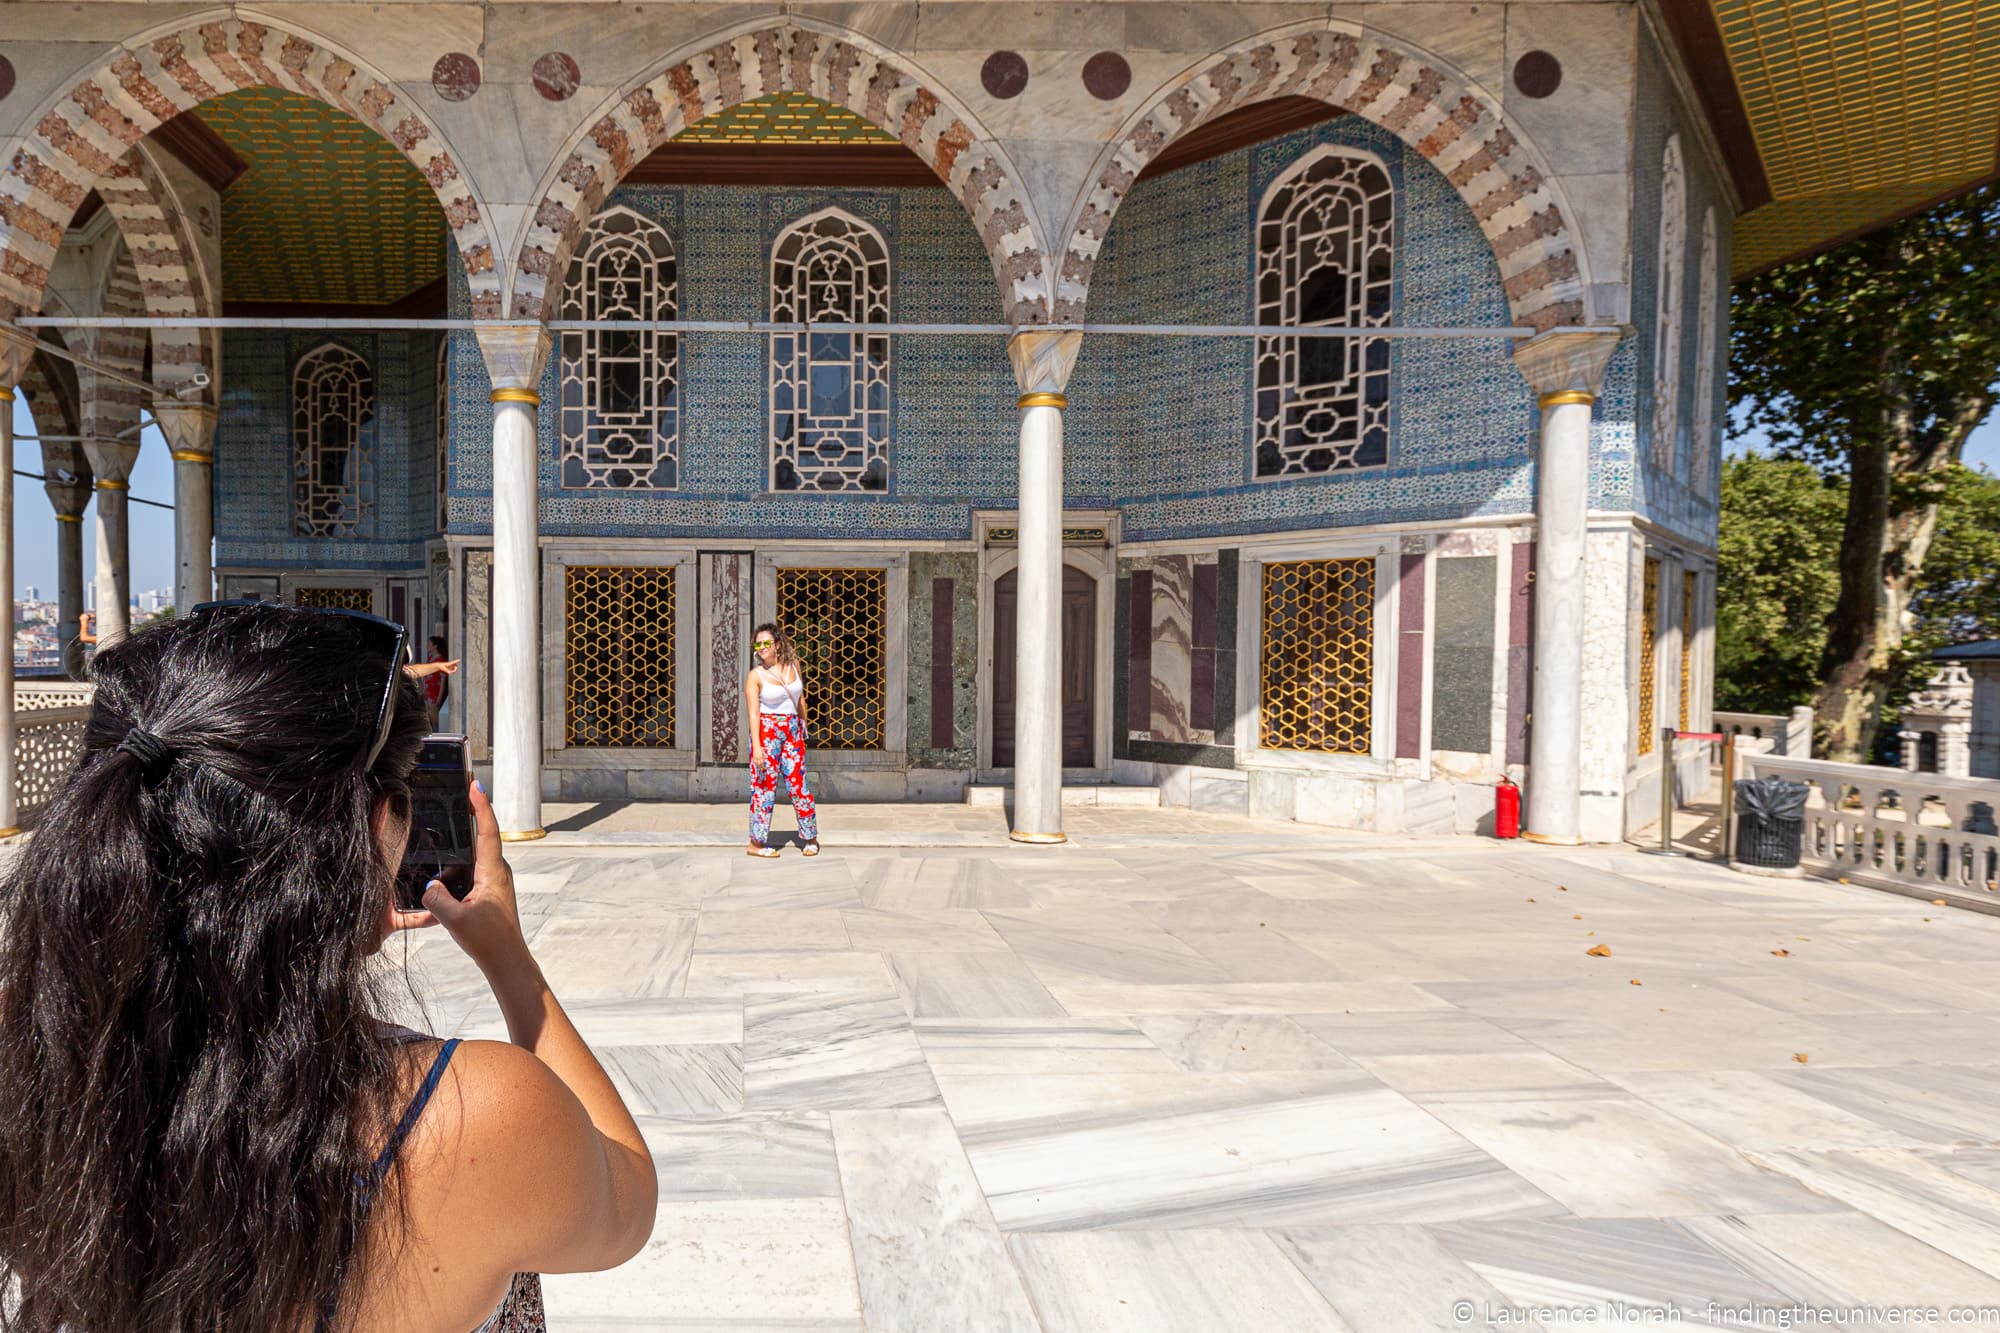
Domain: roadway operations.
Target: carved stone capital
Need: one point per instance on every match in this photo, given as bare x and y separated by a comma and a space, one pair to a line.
188, 427
111, 460
1043, 358
514, 354
17, 349
1566, 361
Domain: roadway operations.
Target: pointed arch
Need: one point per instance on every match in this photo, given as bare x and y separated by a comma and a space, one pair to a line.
172, 277
842, 69
1435, 110
81, 133
333, 443
109, 408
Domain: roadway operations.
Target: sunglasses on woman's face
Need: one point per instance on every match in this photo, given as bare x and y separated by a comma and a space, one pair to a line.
762, 644
391, 639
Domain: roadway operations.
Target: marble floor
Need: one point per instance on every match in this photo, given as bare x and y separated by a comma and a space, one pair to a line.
1205, 1074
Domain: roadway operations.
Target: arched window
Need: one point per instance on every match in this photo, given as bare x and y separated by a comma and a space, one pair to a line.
442, 425
621, 387
333, 434
830, 391
1668, 322
1706, 318
1326, 244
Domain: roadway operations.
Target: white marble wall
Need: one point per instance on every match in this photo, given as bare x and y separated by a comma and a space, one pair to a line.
1612, 564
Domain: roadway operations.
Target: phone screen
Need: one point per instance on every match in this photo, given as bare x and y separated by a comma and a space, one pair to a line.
442, 835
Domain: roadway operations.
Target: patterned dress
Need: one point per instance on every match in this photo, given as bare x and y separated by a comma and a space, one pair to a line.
781, 739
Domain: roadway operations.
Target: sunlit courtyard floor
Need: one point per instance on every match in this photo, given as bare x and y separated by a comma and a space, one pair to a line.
1202, 1073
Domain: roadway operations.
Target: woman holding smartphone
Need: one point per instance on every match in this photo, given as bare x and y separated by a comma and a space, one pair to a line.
775, 693
205, 1122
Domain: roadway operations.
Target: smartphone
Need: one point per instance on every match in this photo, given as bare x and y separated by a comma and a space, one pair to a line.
442, 833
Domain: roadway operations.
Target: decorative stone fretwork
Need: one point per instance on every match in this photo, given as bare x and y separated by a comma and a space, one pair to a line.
148, 81
1706, 318
839, 620
1937, 724
441, 424
829, 397
1317, 686
1326, 247
1669, 306
342, 599
1649, 642
333, 419
755, 64
620, 409
1435, 111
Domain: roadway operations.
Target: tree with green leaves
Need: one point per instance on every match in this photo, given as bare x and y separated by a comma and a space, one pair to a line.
1876, 360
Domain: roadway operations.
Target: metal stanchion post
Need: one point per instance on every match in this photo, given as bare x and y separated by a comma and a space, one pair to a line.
1666, 847
1728, 790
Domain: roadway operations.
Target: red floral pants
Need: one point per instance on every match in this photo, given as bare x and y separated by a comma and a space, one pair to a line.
781, 740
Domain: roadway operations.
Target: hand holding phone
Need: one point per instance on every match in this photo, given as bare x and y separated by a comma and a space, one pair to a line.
443, 837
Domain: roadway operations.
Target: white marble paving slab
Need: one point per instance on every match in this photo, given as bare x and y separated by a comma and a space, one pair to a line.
940, 931
1039, 1046
970, 985
771, 930
751, 1156
1854, 1259
607, 959
690, 1082
1240, 1043
1749, 1109
827, 1051
651, 1021
925, 1245
740, 1264
1606, 1157
1239, 997
1904, 1190
1391, 1279
733, 974
1169, 1282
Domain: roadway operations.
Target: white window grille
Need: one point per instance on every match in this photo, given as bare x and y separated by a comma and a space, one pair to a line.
442, 424
830, 391
333, 418
1326, 244
620, 388
1706, 316
1668, 322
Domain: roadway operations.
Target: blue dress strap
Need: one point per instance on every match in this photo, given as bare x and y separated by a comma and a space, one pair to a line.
409, 1120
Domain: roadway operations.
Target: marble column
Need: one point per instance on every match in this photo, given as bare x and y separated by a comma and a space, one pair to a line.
189, 429
515, 355
1042, 360
16, 350
68, 488
112, 460
1566, 369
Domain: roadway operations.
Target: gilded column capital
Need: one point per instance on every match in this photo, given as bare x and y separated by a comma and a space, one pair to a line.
1043, 359
1567, 365
514, 355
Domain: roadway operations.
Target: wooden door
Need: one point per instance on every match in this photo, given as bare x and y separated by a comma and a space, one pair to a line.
1079, 668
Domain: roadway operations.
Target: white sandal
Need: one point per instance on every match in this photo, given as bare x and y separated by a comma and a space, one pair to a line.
810, 848
762, 850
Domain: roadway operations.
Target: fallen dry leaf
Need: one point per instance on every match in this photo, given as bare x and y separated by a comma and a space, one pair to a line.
1937, 902
1599, 951
1576, 916
1635, 981
1800, 1056
1590, 932
1781, 953
1531, 900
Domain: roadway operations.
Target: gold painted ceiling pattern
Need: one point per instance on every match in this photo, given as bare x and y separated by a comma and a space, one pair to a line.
329, 211
1861, 109
785, 118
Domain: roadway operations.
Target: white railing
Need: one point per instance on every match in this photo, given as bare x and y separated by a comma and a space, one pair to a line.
49, 716
1897, 829
1770, 733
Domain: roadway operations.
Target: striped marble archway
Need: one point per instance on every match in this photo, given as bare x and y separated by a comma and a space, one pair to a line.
784, 58
1435, 111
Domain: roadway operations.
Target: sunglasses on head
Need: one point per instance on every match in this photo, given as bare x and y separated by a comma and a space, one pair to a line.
391, 639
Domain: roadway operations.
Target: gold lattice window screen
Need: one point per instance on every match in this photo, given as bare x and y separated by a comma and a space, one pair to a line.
1318, 656
1687, 649
1649, 631
344, 599
619, 656
839, 620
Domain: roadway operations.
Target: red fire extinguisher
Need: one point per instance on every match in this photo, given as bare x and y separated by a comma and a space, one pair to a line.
1506, 809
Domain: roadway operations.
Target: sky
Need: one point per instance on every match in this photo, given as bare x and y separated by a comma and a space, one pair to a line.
153, 529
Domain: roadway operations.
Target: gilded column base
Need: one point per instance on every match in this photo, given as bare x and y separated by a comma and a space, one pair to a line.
1039, 839
525, 835
1548, 839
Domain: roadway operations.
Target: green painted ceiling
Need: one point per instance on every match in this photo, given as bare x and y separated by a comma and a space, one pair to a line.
329, 211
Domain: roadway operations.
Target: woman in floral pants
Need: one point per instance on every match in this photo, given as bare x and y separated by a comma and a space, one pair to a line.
775, 692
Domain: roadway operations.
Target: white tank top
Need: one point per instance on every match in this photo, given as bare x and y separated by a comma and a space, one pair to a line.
777, 697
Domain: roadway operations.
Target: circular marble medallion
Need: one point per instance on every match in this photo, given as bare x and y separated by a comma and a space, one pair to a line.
6, 76
1004, 75
1537, 74
557, 77
455, 77
1106, 75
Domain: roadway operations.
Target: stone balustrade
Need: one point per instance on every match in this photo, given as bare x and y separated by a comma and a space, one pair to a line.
49, 717
1770, 733
1913, 832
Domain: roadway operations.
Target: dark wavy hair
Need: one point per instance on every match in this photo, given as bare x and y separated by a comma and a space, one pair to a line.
788, 651
191, 1069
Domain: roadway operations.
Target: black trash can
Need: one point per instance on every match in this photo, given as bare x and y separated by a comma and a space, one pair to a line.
1770, 822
